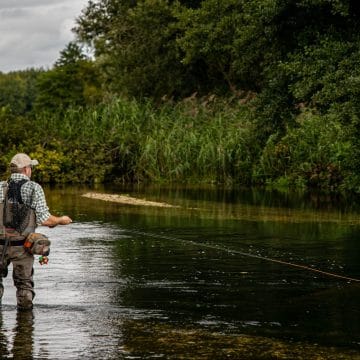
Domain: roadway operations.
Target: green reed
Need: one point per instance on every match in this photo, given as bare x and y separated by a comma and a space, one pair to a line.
133, 141
196, 140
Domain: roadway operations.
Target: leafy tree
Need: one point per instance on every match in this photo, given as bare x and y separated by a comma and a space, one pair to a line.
18, 90
135, 47
70, 56
74, 81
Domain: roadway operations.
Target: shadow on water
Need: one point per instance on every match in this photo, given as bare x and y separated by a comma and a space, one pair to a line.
139, 283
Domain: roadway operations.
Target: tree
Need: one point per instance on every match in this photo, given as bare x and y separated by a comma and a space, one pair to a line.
18, 90
135, 47
270, 47
74, 81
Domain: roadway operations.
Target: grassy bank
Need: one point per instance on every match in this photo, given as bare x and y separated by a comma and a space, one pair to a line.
197, 140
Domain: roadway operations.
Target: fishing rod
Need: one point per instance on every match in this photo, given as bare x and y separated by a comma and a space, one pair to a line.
247, 254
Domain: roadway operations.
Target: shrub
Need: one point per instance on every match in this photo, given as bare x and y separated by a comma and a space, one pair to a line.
315, 152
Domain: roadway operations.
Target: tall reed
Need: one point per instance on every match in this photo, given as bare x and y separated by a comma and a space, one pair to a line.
135, 141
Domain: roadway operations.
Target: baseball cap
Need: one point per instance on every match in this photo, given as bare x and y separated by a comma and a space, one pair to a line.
21, 160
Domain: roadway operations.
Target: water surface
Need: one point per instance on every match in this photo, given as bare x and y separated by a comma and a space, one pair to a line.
138, 282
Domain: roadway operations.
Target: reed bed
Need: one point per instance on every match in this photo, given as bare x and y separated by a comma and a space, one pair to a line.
195, 141
132, 141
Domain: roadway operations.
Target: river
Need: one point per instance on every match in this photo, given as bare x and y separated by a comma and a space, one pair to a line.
225, 274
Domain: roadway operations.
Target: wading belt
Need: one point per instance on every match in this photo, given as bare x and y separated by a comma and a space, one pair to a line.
13, 237
8, 241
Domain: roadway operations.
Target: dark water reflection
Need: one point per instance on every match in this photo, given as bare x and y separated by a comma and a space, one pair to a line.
138, 283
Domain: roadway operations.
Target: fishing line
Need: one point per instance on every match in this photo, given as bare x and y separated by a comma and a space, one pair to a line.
247, 254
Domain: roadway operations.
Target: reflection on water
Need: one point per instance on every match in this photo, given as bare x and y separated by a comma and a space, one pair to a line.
17, 341
138, 283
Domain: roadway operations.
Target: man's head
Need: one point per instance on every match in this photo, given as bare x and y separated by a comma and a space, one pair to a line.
20, 162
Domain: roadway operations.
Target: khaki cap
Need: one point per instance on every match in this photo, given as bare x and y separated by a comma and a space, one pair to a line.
22, 160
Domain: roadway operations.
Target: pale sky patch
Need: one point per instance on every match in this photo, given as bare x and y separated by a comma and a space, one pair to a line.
33, 32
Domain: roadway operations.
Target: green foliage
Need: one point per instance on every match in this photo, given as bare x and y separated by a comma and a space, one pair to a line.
17, 91
195, 140
13, 129
64, 164
74, 81
87, 144
208, 34
50, 163
316, 153
134, 46
326, 75
276, 48
283, 77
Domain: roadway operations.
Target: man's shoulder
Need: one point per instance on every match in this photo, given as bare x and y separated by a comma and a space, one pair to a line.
33, 185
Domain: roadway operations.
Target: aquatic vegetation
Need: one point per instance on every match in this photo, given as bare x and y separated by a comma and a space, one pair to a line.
150, 339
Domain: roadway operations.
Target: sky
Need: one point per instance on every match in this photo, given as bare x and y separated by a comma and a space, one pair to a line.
33, 32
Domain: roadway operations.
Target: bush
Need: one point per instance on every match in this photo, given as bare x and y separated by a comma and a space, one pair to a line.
315, 153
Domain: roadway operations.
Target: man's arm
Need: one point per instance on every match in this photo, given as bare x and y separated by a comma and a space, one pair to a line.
53, 221
43, 215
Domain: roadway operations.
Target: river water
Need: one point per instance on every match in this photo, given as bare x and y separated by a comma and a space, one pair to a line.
196, 281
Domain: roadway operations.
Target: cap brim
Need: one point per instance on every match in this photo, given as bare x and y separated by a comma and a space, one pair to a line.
34, 162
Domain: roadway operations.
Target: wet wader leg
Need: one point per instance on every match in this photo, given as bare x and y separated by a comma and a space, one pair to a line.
23, 276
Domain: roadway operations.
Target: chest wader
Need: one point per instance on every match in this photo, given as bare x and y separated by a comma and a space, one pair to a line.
17, 220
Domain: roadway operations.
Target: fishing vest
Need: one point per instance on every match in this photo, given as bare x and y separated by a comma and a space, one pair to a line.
17, 220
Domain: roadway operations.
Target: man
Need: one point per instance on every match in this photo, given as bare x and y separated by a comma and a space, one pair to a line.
22, 207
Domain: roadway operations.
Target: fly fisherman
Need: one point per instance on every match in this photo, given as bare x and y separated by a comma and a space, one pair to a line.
22, 207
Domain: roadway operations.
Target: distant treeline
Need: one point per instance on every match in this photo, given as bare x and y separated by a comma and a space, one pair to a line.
251, 92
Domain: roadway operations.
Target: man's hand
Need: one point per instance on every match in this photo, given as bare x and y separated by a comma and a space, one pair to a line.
65, 220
